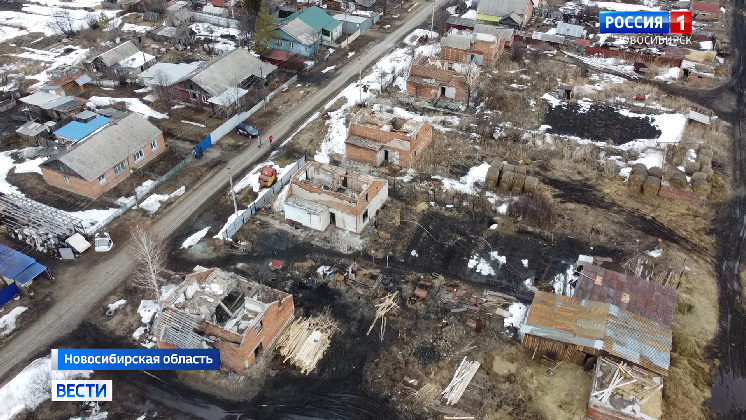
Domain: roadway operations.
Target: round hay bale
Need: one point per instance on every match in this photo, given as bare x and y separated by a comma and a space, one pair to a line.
490, 184
518, 182
651, 186
678, 180
705, 152
493, 174
497, 162
655, 171
640, 166
699, 176
691, 167
506, 181
531, 184
520, 169
704, 160
708, 172
701, 187
636, 178
508, 167
703, 146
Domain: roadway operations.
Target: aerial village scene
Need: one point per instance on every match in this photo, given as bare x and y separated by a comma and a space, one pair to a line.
374, 209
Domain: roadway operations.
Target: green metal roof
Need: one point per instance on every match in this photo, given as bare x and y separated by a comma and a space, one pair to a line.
318, 19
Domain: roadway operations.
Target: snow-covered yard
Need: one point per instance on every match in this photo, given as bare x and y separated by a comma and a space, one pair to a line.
194, 238
153, 202
31, 387
35, 17
133, 104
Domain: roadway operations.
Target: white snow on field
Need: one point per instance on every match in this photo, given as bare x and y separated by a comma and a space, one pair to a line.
610, 63
192, 123
501, 259
154, 201
328, 69
147, 309
518, 313
279, 203
525, 263
414, 253
203, 29
468, 183
435, 121
671, 74
251, 179
29, 388
529, 283
655, 253
503, 208
649, 157
139, 332
133, 104
481, 266
194, 238
8, 321
34, 18
68, 4
561, 282
131, 27
412, 38
116, 305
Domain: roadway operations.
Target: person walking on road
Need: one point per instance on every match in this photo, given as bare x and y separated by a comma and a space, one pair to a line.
259, 139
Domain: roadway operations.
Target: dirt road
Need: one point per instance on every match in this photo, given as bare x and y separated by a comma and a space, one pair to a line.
102, 279
729, 387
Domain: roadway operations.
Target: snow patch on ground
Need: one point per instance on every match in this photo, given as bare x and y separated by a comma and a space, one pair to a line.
9, 321
518, 313
194, 238
192, 123
481, 266
501, 259
133, 104
655, 253
147, 309
671, 74
116, 305
24, 392
525, 263
414, 253
251, 179
468, 183
154, 201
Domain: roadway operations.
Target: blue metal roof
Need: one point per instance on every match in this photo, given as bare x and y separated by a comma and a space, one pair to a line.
17, 266
77, 130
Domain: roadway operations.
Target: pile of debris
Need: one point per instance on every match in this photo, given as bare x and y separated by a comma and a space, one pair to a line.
306, 340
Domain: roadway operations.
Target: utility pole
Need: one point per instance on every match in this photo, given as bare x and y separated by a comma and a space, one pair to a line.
233, 191
432, 21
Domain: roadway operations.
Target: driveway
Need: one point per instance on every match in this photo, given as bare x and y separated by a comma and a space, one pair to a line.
95, 283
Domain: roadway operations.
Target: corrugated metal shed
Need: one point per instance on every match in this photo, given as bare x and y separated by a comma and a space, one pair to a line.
650, 300
18, 266
39, 98
638, 340
118, 53
501, 8
460, 21
569, 30
32, 129
506, 33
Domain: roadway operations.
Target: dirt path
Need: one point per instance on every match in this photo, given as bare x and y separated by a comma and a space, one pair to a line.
729, 387
95, 283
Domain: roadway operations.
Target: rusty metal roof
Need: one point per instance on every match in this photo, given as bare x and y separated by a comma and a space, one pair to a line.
602, 326
650, 300
638, 340
565, 319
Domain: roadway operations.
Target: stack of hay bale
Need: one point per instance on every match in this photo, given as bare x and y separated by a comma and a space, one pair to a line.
647, 181
701, 171
509, 178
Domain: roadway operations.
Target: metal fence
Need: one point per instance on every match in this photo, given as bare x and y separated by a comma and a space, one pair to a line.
216, 20
245, 215
132, 202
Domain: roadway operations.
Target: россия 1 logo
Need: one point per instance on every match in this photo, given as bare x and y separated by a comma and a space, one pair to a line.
674, 22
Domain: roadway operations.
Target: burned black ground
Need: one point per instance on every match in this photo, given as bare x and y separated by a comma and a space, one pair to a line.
598, 122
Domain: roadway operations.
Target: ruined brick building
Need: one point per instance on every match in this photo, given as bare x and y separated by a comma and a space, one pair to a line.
378, 137
219, 309
430, 78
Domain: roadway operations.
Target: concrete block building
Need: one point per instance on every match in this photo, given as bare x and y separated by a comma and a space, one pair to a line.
378, 137
321, 195
219, 309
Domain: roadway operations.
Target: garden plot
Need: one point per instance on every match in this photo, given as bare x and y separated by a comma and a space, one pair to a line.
36, 18
66, 56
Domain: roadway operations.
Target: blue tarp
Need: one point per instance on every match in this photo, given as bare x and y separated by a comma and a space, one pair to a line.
18, 266
77, 130
9, 293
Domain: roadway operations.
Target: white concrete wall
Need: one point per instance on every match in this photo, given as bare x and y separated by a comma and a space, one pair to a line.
302, 216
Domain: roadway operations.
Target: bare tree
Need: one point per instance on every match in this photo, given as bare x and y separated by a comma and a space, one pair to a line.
92, 21
517, 50
163, 88
471, 75
150, 255
62, 22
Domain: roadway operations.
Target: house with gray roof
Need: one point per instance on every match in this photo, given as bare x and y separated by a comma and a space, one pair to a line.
297, 37
226, 83
506, 33
124, 60
98, 163
511, 13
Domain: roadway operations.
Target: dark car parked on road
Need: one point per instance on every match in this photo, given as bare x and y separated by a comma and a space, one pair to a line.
247, 130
